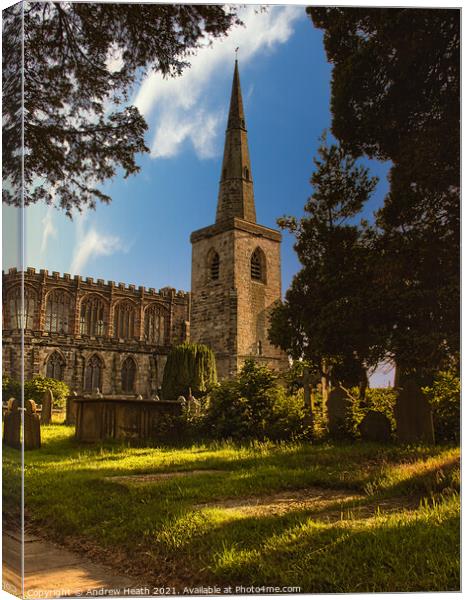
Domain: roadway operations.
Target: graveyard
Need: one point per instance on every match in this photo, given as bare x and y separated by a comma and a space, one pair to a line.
325, 518
317, 512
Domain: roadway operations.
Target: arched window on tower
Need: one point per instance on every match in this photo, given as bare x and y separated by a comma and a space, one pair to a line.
92, 316
258, 265
124, 320
214, 266
22, 315
57, 312
155, 324
55, 366
93, 373
246, 173
128, 375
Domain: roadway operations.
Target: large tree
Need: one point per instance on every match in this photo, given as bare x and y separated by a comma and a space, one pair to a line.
395, 96
81, 61
330, 311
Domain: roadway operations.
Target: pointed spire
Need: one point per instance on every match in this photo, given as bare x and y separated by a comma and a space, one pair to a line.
236, 196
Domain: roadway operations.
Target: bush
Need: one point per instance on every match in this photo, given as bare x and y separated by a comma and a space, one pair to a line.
253, 406
382, 400
444, 396
10, 388
189, 366
35, 387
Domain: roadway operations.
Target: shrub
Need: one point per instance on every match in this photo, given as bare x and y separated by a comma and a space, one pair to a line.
253, 405
10, 388
189, 366
35, 387
444, 396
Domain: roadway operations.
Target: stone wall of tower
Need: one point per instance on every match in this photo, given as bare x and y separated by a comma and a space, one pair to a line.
256, 299
214, 303
231, 314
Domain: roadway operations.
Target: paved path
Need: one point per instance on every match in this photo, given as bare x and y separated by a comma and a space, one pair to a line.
53, 572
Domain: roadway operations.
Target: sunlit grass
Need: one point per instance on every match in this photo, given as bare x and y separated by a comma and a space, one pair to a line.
179, 525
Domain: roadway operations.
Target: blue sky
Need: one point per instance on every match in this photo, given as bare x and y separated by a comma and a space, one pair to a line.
143, 236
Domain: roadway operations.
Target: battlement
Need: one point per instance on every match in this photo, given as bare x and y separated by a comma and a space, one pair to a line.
89, 284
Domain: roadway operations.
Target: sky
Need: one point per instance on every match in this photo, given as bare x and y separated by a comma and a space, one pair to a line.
142, 237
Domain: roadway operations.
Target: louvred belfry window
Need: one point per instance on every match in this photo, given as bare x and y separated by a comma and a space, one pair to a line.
258, 265
214, 266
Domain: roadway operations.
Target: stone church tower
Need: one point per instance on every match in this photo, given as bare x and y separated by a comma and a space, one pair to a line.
236, 273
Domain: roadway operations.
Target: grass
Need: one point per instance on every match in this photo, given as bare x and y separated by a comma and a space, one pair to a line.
183, 531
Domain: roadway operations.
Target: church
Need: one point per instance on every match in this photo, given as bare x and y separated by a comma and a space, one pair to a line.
116, 337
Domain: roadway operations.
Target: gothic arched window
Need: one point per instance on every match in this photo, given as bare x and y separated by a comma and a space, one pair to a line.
55, 366
258, 265
22, 315
124, 320
128, 375
57, 312
155, 325
92, 316
214, 265
93, 373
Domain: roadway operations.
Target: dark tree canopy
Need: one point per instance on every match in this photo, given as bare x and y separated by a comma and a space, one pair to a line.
396, 96
77, 131
329, 310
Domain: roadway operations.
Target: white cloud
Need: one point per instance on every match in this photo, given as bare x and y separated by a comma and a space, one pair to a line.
92, 243
179, 101
48, 229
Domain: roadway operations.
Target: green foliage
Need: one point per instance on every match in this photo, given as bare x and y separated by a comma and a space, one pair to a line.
382, 400
329, 309
35, 387
253, 406
81, 63
396, 97
189, 366
444, 396
10, 388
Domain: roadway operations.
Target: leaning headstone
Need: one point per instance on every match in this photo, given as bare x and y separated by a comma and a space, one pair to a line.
413, 414
47, 403
338, 405
375, 427
32, 426
12, 424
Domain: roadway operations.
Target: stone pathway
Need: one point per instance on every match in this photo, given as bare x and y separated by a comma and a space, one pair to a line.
54, 572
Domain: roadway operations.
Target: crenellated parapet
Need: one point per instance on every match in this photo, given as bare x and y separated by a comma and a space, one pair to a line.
56, 304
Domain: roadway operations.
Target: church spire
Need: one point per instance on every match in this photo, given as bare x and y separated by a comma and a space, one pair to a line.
236, 197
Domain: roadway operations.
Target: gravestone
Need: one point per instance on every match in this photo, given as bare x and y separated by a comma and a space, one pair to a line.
375, 427
47, 403
12, 424
338, 411
413, 414
70, 418
32, 426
